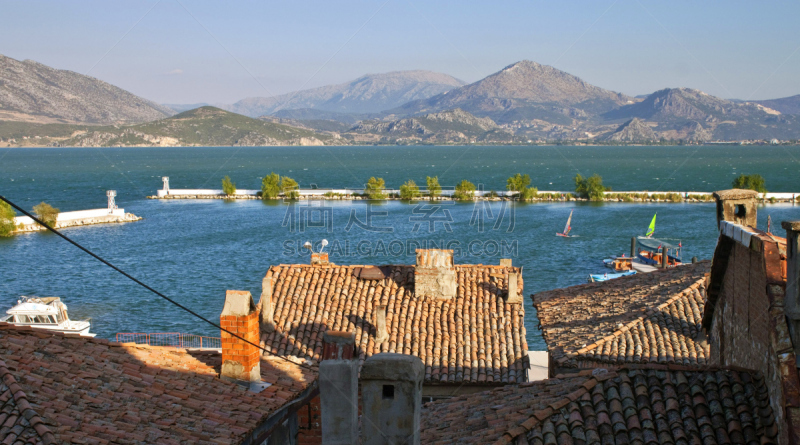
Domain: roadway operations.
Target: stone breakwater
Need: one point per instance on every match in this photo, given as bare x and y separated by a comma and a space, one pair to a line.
640, 197
127, 217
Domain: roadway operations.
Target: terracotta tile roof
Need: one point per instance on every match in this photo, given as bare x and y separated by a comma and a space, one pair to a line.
646, 404
19, 423
644, 318
477, 337
95, 391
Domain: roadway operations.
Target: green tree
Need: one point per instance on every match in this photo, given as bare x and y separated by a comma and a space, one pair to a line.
270, 186
590, 188
750, 182
7, 215
228, 187
289, 188
374, 188
528, 193
518, 183
465, 191
434, 189
409, 190
46, 213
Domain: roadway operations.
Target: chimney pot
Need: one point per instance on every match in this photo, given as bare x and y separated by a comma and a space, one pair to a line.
338, 389
737, 206
391, 395
435, 274
241, 361
319, 259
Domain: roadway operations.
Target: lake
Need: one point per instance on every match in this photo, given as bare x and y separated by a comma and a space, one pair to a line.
193, 250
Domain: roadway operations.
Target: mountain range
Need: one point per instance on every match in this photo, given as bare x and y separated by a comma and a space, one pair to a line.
33, 92
371, 93
523, 102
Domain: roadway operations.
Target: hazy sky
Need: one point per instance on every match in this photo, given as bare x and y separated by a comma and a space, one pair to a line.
188, 51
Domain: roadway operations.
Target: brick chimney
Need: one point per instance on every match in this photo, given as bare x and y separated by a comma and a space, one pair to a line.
792, 296
737, 206
240, 361
391, 395
338, 389
435, 274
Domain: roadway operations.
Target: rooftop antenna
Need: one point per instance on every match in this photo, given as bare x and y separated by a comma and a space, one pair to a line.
324, 243
308, 246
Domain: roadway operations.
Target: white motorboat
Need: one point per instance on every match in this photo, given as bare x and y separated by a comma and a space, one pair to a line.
45, 313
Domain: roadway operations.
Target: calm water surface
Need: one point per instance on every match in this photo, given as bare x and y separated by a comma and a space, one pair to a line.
194, 250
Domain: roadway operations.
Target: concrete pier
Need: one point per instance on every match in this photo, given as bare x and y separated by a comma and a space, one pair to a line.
111, 214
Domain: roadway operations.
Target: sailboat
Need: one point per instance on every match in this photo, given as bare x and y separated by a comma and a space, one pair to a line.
652, 228
567, 228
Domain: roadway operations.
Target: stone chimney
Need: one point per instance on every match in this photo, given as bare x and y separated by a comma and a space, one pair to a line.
506, 262
338, 389
391, 396
267, 314
737, 206
319, 259
435, 274
381, 334
241, 361
792, 297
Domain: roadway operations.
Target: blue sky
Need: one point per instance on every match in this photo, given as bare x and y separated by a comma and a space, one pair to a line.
188, 51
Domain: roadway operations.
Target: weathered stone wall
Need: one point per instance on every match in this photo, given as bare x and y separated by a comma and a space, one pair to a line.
748, 328
435, 274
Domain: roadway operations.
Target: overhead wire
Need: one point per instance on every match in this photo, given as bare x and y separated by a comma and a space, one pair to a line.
135, 280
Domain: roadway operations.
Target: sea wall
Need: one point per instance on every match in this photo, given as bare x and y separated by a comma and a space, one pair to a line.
77, 218
446, 193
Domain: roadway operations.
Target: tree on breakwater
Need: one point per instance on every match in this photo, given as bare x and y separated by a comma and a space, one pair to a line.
7, 215
270, 186
228, 187
289, 188
46, 213
409, 191
374, 188
590, 188
519, 183
750, 182
465, 191
434, 189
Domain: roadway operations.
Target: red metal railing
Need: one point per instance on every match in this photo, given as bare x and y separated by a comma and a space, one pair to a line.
171, 340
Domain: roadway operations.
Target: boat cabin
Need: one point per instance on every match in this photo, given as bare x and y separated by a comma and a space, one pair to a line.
650, 251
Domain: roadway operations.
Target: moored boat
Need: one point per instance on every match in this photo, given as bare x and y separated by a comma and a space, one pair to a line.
45, 313
610, 276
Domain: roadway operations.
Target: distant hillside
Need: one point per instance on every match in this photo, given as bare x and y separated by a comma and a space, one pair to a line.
32, 92
684, 113
451, 126
367, 94
785, 105
524, 90
632, 131
205, 126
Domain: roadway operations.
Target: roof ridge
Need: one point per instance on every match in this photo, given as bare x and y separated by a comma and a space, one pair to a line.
24, 407
646, 313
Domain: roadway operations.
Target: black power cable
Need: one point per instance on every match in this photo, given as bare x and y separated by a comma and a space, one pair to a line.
98, 258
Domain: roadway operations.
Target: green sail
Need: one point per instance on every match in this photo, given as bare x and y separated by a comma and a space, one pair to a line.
652, 228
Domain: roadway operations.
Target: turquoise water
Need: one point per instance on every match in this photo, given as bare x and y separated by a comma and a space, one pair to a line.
194, 250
